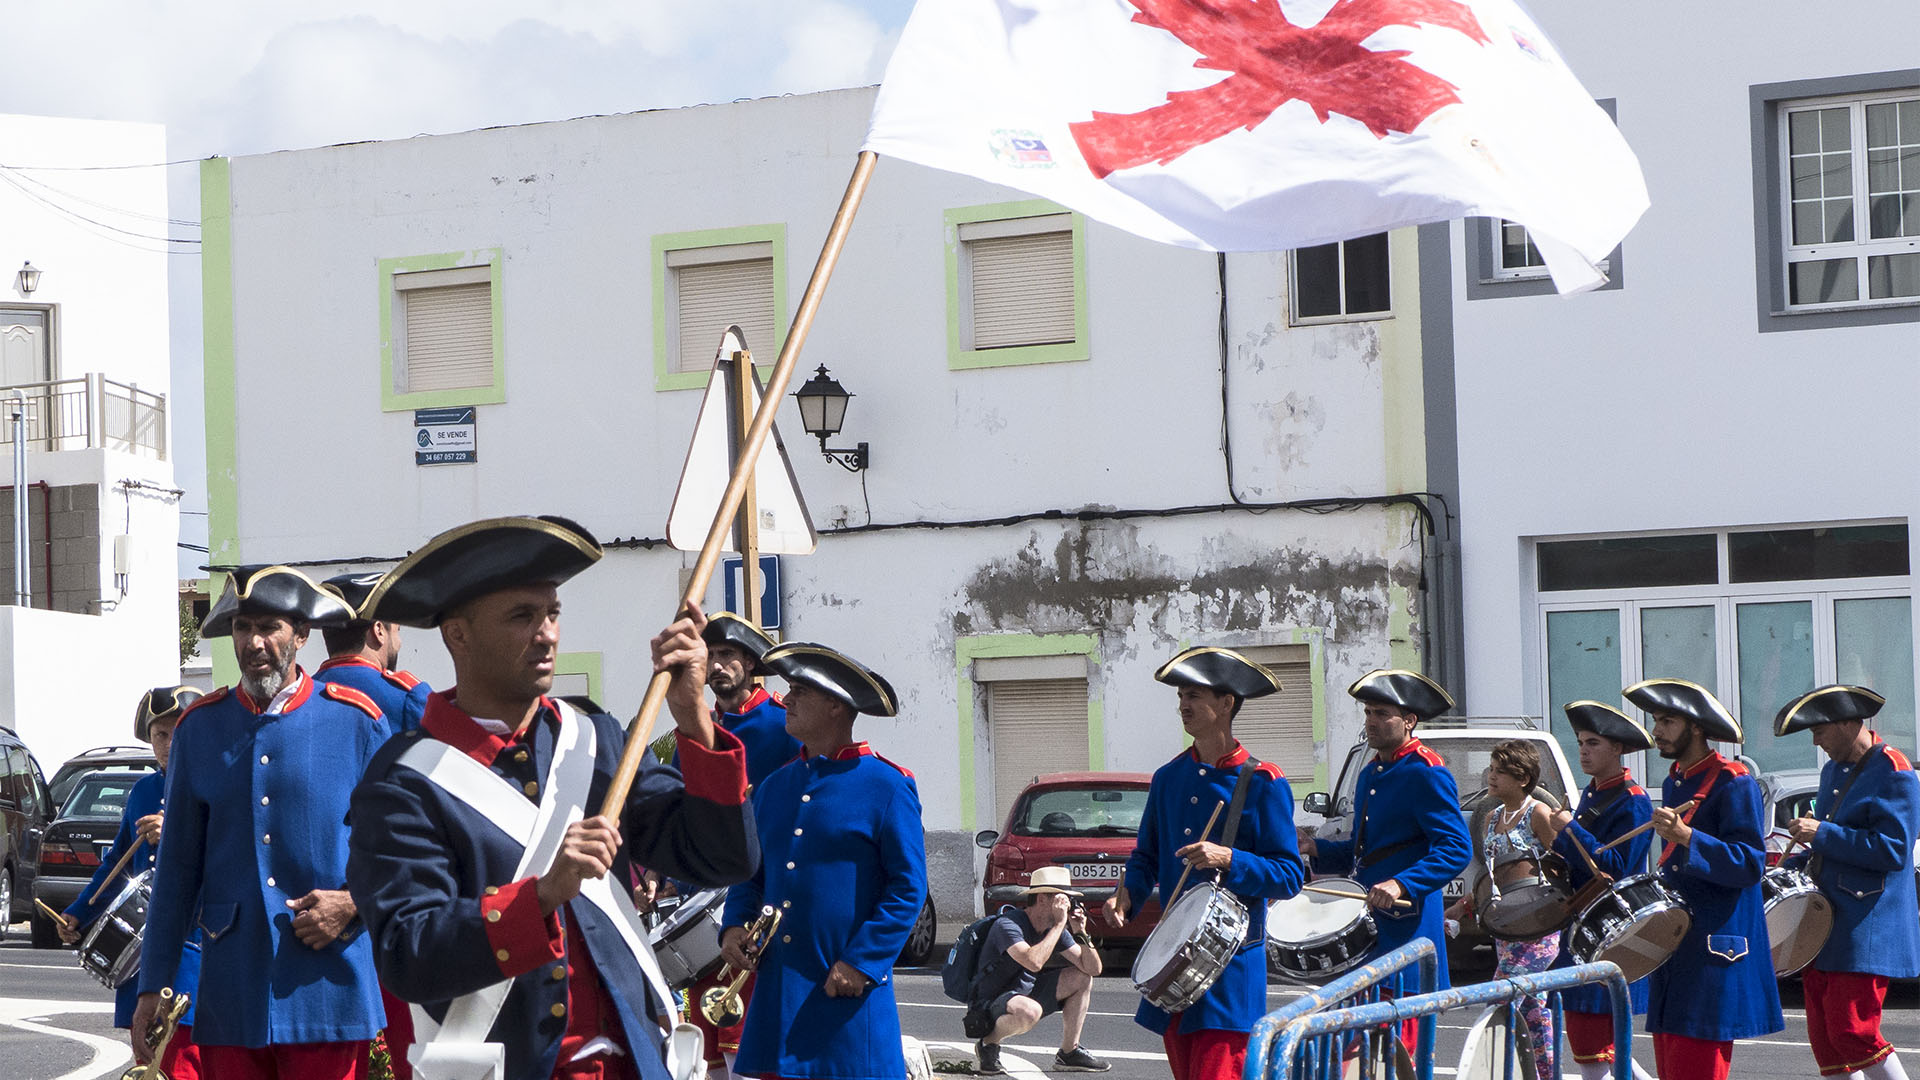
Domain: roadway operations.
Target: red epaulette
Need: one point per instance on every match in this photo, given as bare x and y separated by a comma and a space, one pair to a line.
1269, 770
1430, 756
347, 695
1636, 789
1734, 768
1899, 760
403, 679
205, 699
908, 773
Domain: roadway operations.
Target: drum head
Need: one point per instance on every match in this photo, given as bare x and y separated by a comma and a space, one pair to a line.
1176, 927
1312, 916
1798, 925
692, 908
1644, 943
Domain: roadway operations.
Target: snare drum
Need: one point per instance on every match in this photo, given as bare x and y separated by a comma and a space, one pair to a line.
1637, 924
1799, 918
1192, 945
1534, 897
1311, 937
111, 950
687, 942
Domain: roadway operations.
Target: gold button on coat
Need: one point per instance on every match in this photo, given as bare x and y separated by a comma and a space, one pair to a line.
558, 1009
559, 972
500, 955
494, 915
531, 788
493, 890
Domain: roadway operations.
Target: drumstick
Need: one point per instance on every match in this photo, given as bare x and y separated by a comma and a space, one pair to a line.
1324, 891
1681, 809
1582, 849
119, 866
1181, 884
42, 905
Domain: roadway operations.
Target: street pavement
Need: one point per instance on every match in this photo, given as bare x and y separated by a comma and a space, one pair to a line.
56, 1023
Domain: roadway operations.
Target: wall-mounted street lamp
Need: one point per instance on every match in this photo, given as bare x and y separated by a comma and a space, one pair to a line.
27, 280
823, 408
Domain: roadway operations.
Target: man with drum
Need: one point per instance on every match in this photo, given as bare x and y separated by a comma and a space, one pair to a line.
1719, 984
256, 850
1409, 841
1860, 853
140, 822
1611, 807
493, 887
845, 867
1252, 853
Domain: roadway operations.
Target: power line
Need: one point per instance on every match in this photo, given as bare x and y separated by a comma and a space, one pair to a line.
76, 215
75, 196
104, 168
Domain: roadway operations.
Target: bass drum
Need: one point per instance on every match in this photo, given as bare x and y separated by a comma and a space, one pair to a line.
1312, 937
1533, 898
1799, 918
1192, 945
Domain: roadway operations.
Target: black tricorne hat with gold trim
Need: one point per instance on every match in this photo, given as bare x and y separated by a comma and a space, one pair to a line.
478, 558
1221, 670
1608, 723
1406, 690
836, 674
159, 702
726, 628
354, 589
1688, 699
1826, 705
274, 590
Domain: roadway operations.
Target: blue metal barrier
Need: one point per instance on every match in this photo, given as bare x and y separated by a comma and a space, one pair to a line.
1357, 987
1304, 1045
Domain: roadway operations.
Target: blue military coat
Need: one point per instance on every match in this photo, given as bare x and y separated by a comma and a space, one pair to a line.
256, 816
1625, 808
1266, 867
1412, 806
1865, 844
761, 724
428, 873
844, 860
401, 697
147, 797
1719, 984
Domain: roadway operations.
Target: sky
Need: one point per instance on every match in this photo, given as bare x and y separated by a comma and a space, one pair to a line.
233, 79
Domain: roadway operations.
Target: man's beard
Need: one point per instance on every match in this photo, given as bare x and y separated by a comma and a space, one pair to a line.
264, 689
1680, 748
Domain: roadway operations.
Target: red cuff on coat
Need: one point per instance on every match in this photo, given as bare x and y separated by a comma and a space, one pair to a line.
521, 937
718, 775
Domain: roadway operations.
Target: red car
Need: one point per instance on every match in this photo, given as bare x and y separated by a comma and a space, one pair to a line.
1085, 821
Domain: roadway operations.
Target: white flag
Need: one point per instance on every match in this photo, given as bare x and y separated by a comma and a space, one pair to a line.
1261, 125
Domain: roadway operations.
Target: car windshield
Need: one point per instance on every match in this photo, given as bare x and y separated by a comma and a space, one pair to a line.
100, 796
1088, 811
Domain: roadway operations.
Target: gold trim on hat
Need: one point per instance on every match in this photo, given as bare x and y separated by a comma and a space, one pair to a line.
1379, 672
1780, 728
239, 592
460, 532
1631, 722
1161, 675
802, 648
1739, 733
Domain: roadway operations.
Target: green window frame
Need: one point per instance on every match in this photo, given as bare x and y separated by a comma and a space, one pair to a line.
961, 358
581, 663
394, 400
969, 648
664, 377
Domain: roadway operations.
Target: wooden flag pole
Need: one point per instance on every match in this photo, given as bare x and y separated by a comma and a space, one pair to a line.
640, 732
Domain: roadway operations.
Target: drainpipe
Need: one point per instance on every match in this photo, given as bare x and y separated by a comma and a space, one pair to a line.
21, 595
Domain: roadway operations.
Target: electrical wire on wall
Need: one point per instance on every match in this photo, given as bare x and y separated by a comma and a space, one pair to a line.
128, 487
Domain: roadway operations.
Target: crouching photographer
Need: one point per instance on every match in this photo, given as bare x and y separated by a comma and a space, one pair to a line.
1035, 960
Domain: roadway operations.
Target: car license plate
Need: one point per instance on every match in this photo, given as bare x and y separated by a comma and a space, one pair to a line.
1095, 871
1455, 888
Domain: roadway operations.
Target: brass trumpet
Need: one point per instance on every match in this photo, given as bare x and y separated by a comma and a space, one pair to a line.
721, 1004
165, 1022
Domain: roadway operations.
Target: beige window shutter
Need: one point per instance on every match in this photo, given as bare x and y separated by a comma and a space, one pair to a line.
709, 297
1034, 726
1022, 289
1279, 727
449, 337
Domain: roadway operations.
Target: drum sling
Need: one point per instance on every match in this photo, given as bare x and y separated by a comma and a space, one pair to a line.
1699, 800
1827, 812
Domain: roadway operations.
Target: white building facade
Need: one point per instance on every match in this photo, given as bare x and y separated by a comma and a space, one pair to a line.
1047, 515
1707, 470
83, 349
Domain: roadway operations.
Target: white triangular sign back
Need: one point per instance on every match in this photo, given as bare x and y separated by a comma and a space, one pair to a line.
785, 527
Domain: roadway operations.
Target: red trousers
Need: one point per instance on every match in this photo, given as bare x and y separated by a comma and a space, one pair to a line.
182, 1059
1843, 1019
399, 1034
290, 1061
1687, 1058
1205, 1055
1589, 1036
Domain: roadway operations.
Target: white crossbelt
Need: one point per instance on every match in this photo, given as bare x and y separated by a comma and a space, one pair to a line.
457, 1046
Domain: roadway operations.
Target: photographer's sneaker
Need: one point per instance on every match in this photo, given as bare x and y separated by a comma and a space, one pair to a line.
988, 1059
1078, 1060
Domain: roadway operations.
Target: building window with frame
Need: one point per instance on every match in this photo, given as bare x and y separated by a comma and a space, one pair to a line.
441, 339
1016, 285
1518, 255
712, 288
1852, 188
1347, 280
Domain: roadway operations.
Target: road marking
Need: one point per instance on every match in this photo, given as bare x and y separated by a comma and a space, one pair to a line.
944, 1005
1014, 1064
108, 1058
45, 967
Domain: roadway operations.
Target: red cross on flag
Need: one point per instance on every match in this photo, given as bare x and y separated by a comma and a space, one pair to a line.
1262, 125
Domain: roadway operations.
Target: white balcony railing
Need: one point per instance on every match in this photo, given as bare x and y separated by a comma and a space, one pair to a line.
88, 412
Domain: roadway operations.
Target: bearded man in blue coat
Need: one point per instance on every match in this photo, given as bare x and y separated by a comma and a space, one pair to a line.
140, 824
844, 863
1719, 984
256, 850
1258, 863
1860, 853
1612, 806
495, 888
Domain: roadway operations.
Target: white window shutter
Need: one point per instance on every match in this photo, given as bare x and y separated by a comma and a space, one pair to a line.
1022, 289
709, 297
1034, 726
1279, 727
449, 338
